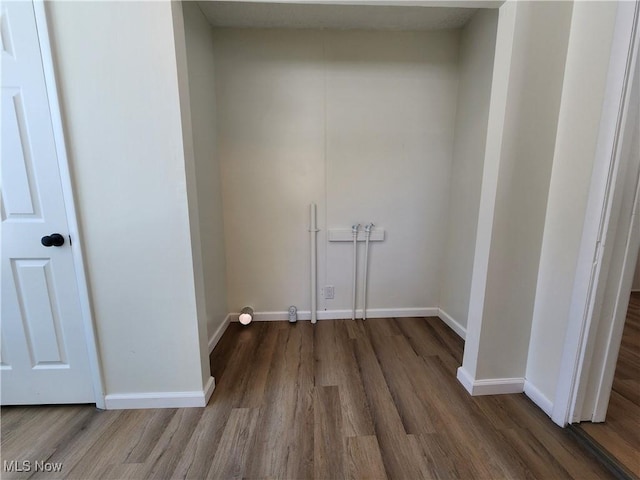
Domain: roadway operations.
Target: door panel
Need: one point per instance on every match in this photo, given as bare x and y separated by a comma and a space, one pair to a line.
39, 313
44, 354
20, 195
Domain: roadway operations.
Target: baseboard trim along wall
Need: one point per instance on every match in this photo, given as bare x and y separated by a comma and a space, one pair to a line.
217, 335
538, 397
208, 390
491, 386
342, 314
197, 398
452, 323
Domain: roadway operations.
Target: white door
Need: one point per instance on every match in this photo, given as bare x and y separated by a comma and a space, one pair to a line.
44, 356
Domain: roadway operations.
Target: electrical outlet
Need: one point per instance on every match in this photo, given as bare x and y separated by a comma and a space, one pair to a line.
329, 292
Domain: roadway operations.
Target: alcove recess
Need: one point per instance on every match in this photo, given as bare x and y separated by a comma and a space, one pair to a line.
377, 113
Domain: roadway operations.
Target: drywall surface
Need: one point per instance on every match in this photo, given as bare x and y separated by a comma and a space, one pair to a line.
200, 65
361, 123
477, 49
390, 116
527, 148
118, 87
579, 123
270, 127
188, 150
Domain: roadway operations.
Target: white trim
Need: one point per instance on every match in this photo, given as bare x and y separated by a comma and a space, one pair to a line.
208, 389
491, 386
452, 323
196, 398
465, 379
69, 202
343, 314
579, 338
217, 335
537, 397
611, 339
397, 3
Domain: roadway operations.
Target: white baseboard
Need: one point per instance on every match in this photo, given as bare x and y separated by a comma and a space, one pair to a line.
341, 314
455, 326
196, 398
465, 379
538, 397
491, 386
208, 390
217, 335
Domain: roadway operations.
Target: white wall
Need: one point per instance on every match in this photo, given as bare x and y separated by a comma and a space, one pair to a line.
200, 63
390, 117
477, 49
497, 341
578, 126
361, 123
269, 86
188, 151
116, 65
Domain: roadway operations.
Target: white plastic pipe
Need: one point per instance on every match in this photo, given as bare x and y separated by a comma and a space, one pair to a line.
246, 316
313, 231
367, 231
354, 232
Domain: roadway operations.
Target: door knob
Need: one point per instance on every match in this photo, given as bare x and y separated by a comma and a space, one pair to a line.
53, 240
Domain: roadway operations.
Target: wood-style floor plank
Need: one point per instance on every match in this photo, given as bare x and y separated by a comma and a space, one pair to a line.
394, 352
236, 367
363, 458
75, 445
112, 447
335, 364
392, 438
342, 399
149, 435
288, 410
171, 446
486, 454
235, 445
301, 442
534, 421
45, 435
440, 457
328, 457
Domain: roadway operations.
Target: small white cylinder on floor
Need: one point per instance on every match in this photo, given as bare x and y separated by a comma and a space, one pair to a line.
246, 316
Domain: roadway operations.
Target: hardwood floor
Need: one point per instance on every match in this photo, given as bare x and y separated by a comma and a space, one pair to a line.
619, 435
341, 399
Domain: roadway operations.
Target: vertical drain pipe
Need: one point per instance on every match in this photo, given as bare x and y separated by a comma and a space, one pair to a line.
313, 231
367, 231
354, 232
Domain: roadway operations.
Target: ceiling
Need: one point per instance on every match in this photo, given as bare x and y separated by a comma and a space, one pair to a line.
333, 16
